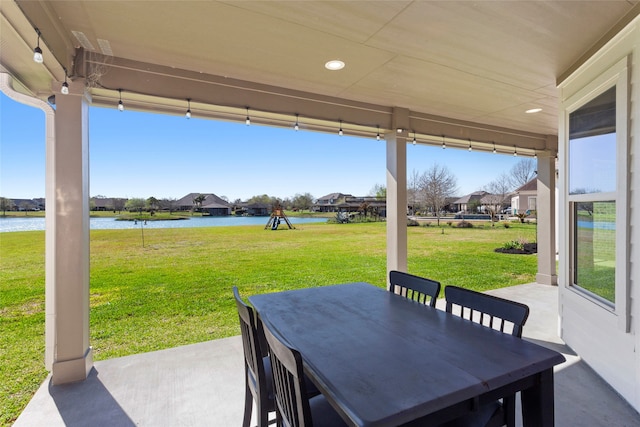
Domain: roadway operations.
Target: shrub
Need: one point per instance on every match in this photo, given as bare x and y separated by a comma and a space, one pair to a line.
427, 224
506, 224
412, 223
513, 244
464, 224
449, 223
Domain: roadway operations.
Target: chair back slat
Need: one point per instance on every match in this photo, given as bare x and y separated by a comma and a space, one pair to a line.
292, 403
491, 311
250, 341
416, 288
257, 374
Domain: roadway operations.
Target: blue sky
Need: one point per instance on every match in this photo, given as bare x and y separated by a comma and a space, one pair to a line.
136, 154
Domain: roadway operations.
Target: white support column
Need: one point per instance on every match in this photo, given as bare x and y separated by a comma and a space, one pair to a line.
67, 239
397, 192
546, 219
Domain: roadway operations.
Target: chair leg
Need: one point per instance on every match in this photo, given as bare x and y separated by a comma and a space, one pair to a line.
509, 405
263, 415
248, 406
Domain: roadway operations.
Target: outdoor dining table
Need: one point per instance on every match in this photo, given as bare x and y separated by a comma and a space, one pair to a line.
383, 360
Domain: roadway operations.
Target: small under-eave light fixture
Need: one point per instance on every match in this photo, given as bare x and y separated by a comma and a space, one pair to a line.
535, 154
37, 52
188, 114
414, 138
443, 144
340, 132
470, 145
120, 104
378, 134
399, 130
297, 125
65, 86
494, 147
247, 121
515, 151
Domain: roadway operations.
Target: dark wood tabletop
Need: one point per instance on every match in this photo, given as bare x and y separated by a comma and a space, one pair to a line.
383, 360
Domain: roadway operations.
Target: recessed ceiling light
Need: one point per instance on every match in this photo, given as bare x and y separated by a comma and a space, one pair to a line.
334, 65
533, 110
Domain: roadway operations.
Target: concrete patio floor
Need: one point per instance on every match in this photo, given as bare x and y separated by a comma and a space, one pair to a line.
202, 384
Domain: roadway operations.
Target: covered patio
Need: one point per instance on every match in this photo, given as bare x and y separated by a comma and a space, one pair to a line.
203, 384
501, 77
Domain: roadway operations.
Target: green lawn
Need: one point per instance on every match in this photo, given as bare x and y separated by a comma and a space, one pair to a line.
177, 288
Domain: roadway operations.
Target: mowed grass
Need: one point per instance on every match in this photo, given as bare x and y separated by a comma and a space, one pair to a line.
176, 289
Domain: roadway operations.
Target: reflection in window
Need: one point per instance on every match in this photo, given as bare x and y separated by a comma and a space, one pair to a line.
592, 146
592, 188
595, 247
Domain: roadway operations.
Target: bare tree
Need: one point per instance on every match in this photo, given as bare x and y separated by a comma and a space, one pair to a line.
522, 172
170, 204
413, 191
436, 184
6, 205
118, 204
500, 187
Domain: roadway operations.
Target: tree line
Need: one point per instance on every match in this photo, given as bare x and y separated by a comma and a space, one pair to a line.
429, 190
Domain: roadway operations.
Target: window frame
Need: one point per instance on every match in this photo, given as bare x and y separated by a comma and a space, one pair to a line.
616, 76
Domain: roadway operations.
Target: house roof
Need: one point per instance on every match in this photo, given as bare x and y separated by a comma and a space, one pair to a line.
333, 196
209, 198
476, 195
529, 186
466, 70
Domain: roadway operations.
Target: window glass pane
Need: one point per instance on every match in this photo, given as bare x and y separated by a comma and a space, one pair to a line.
595, 247
592, 146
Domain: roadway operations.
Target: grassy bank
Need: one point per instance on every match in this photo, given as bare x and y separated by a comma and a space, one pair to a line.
177, 288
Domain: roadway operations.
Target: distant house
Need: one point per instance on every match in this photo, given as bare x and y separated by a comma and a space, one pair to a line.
26, 205
216, 209
210, 205
494, 202
253, 209
330, 202
108, 203
524, 199
467, 201
370, 205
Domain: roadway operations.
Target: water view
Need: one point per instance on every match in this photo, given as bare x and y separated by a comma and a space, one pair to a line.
34, 224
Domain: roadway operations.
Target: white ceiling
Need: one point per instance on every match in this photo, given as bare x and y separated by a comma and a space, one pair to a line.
476, 61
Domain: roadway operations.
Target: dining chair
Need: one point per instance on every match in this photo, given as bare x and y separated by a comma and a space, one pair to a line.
497, 313
257, 366
294, 408
415, 288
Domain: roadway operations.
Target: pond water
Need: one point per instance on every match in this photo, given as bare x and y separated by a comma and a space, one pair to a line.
31, 224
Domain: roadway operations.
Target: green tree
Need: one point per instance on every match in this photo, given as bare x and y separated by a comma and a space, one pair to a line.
379, 191
265, 199
197, 202
302, 201
152, 203
135, 204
